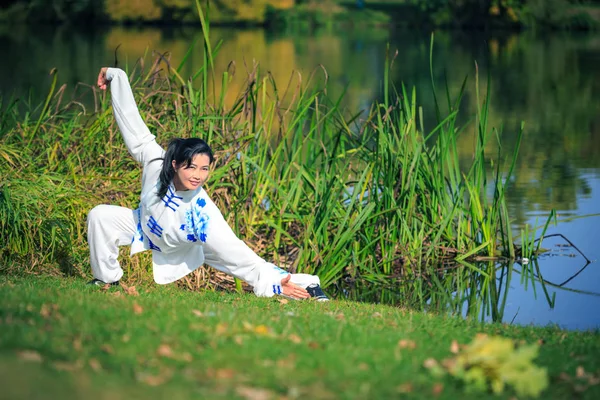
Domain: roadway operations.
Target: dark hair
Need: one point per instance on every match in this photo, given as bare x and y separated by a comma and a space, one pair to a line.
182, 151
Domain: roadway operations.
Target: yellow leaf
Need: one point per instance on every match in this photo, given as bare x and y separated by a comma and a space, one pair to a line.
261, 330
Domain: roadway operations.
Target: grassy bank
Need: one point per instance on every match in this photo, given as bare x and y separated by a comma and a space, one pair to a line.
79, 342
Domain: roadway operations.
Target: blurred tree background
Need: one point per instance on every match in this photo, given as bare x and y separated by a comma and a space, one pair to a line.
516, 14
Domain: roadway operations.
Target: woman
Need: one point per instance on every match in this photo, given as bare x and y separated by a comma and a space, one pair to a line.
176, 219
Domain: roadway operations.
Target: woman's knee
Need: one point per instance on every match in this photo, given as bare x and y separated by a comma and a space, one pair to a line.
97, 214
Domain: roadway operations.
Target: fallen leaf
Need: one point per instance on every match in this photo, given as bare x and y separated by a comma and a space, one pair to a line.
30, 355
137, 309
405, 388
430, 363
564, 376
197, 313
187, 357
250, 393
116, 294
295, 338
438, 388
66, 366
95, 365
262, 330
407, 343
283, 301
454, 348
580, 372
107, 348
287, 362
449, 363
224, 373
593, 380
221, 328
164, 350
154, 380
131, 291
238, 340
47, 310
339, 317
376, 315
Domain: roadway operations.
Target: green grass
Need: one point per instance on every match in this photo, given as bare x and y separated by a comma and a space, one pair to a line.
76, 341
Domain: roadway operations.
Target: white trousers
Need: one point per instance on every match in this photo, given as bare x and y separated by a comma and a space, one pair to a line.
110, 227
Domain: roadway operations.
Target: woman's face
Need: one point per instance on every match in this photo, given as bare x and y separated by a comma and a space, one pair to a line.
194, 176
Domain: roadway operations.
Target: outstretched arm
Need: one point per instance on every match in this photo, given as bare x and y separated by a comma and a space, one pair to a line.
138, 139
224, 251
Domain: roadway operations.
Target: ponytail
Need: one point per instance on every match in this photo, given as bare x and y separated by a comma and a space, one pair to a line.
182, 151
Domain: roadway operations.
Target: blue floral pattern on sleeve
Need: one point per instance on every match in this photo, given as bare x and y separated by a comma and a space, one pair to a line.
196, 222
139, 235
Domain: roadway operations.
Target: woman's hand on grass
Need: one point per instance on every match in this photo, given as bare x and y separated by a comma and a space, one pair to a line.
102, 81
291, 290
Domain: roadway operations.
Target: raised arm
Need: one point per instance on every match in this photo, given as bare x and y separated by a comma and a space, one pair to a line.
138, 139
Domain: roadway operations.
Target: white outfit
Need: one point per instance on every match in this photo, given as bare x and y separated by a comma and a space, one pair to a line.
184, 229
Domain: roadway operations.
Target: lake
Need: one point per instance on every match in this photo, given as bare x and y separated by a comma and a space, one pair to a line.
550, 81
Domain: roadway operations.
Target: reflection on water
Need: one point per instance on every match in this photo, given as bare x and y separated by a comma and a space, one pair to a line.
552, 83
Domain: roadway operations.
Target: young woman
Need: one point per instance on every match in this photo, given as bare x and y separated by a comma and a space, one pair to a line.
176, 219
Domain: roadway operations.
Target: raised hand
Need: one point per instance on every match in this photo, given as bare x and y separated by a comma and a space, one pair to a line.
291, 290
102, 81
